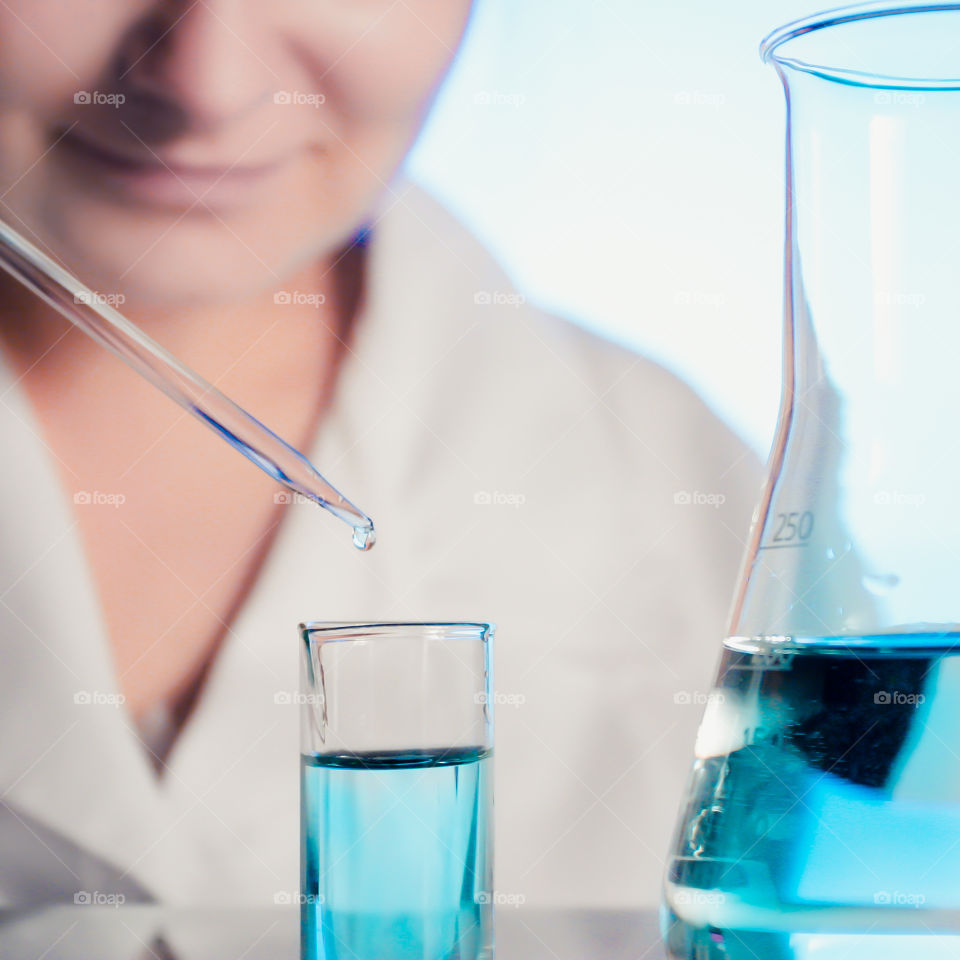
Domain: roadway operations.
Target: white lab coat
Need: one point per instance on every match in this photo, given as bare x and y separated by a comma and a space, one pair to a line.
519, 470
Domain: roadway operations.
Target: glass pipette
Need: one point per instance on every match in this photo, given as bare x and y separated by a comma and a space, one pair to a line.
83, 307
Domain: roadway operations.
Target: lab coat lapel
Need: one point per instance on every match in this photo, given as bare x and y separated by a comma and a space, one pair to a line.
63, 727
429, 291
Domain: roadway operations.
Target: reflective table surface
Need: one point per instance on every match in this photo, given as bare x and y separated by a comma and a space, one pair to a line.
148, 932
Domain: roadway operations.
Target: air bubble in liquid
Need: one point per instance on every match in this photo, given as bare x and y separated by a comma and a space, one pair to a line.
880, 584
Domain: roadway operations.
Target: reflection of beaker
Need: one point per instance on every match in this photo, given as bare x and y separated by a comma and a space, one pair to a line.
823, 811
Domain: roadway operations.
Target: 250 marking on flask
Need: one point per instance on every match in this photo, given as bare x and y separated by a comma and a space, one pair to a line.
792, 529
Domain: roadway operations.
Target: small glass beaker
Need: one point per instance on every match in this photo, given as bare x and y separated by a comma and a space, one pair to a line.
396, 815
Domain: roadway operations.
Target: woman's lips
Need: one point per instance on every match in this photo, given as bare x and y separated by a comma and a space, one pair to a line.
154, 179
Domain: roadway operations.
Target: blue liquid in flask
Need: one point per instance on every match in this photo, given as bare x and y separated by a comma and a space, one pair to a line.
394, 855
822, 816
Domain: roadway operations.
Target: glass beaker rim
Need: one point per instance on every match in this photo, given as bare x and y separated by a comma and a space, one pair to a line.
335, 631
852, 13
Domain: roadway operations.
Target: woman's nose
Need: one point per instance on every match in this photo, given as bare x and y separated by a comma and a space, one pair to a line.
205, 60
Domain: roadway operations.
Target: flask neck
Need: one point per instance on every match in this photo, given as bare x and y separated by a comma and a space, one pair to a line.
859, 531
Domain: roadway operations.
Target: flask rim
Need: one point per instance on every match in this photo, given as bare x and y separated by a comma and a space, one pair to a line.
770, 46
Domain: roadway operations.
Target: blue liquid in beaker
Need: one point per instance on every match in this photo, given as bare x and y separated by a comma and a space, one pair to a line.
394, 854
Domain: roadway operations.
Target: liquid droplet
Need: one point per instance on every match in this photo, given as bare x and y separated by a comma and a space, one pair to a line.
830, 554
880, 584
364, 537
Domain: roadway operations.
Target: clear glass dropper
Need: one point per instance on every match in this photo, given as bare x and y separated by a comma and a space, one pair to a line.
83, 307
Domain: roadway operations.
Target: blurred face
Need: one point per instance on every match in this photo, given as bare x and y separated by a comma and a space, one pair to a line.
199, 152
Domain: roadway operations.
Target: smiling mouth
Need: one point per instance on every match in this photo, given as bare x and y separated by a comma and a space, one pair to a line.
155, 178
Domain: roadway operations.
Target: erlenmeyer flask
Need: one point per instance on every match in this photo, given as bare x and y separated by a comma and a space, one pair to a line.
822, 817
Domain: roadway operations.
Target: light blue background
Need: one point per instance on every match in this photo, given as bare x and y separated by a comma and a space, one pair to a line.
624, 161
